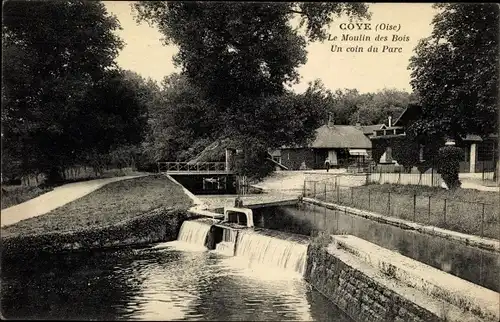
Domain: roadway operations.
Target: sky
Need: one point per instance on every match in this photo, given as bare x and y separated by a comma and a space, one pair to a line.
145, 53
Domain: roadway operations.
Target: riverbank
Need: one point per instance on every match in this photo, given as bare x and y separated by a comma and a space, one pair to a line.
57, 197
134, 211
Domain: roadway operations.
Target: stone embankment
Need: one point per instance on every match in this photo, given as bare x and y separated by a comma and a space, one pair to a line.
374, 284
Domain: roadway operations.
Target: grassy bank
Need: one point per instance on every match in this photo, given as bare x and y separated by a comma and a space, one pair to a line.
14, 195
463, 210
115, 203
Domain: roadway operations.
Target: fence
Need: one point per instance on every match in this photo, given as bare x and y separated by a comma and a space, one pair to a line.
192, 167
474, 218
422, 179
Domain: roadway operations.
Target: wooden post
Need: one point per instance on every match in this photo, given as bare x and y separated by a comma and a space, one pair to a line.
429, 209
369, 199
352, 197
333, 192
482, 221
389, 204
338, 194
414, 206
325, 191
314, 190
444, 211
337, 215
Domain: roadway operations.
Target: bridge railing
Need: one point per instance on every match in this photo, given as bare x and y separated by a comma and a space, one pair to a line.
192, 167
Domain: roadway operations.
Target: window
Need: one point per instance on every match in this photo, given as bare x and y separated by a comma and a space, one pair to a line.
485, 151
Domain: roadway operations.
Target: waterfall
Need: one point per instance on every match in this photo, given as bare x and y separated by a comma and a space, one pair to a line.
194, 232
228, 243
271, 251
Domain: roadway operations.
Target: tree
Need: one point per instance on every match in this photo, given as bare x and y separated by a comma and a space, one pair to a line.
455, 72
241, 55
177, 128
63, 100
350, 107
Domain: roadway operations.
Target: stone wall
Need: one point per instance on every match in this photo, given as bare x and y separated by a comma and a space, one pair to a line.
355, 293
366, 294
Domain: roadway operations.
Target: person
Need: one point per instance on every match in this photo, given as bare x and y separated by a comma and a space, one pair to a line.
327, 164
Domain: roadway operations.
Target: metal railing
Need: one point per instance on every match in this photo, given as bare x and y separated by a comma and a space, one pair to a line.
476, 218
205, 167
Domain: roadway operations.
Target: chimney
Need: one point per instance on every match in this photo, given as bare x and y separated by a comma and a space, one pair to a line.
390, 121
330, 120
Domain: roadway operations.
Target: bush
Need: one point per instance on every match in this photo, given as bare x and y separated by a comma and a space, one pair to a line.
449, 165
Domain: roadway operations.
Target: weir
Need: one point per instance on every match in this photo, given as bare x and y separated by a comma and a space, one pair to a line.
228, 244
265, 250
257, 247
194, 232
394, 287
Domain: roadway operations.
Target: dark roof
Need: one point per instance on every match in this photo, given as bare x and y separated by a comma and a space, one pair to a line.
409, 114
368, 129
341, 136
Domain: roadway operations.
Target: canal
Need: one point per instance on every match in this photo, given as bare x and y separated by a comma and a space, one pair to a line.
177, 281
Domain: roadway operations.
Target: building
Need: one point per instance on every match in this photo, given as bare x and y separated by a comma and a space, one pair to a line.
388, 145
343, 145
369, 130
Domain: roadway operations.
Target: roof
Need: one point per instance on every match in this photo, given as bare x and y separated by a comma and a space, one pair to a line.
472, 137
213, 152
409, 114
368, 129
341, 136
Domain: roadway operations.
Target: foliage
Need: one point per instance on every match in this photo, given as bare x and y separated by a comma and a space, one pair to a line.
405, 150
182, 120
449, 158
455, 71
63, 100
238, 57
348, 106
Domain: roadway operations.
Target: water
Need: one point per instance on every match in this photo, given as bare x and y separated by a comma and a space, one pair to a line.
268, 251
228, 244
194, 232
170, 281
467, 262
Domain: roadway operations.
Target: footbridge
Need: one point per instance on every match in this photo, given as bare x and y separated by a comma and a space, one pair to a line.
194, 168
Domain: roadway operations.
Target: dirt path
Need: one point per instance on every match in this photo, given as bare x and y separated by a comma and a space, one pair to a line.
54, 199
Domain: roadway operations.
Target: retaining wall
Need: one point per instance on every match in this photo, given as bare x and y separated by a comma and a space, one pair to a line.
162, 224
367, 294
468, 257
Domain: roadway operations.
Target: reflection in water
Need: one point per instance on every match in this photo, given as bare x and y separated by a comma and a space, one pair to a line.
170, 282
